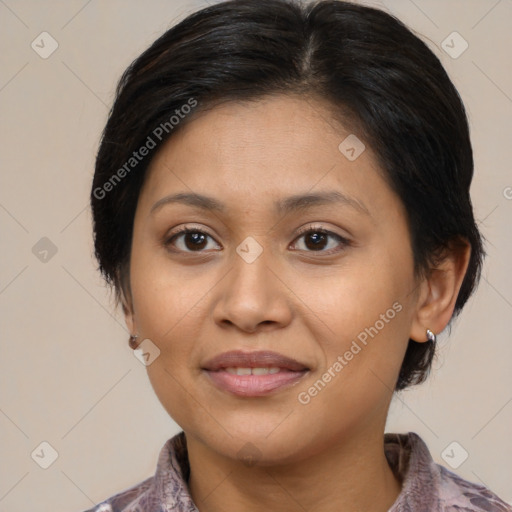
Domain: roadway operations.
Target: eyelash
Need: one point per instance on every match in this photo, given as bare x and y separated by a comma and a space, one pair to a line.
304, 231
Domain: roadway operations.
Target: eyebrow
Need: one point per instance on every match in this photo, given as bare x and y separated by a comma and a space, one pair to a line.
290, 204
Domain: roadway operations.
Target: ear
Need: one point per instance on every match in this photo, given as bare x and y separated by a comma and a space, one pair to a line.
439, 291
125, 298
129, 316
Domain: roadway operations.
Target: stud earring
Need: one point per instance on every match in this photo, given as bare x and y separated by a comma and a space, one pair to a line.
431, 336
133, 341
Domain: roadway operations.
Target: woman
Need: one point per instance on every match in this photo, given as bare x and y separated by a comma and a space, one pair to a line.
281, 201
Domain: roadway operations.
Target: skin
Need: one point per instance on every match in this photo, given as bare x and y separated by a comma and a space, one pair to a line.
304, 303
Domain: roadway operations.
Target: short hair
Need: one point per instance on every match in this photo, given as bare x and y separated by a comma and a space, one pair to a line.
380, 79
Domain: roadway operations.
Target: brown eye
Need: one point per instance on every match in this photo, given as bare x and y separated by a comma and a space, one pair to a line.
322, 241
189, 240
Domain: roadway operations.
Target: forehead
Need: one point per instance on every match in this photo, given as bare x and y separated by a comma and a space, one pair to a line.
261, 152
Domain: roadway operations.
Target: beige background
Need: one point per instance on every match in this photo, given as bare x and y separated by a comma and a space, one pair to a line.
67, 375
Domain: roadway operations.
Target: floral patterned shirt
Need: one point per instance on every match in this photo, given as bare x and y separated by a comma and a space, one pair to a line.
426, 486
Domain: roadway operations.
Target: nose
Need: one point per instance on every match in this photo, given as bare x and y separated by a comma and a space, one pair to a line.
253, 297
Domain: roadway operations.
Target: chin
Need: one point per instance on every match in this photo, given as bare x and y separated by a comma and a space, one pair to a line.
256, 441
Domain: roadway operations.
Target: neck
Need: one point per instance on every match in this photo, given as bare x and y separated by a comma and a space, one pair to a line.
349, 476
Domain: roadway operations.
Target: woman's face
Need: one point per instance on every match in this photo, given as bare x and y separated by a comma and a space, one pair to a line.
328, 283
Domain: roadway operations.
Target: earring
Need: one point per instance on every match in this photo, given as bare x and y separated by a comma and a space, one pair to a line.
133, 341
431, 336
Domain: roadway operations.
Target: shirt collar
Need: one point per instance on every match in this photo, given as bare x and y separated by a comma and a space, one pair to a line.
407, 454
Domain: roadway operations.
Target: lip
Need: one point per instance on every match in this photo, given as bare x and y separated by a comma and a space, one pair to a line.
290, 372
262, 358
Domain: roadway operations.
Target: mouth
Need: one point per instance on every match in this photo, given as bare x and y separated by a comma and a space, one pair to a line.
252, 374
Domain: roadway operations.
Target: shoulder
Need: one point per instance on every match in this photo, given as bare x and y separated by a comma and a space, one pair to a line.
427, 485
458, 494
123, 501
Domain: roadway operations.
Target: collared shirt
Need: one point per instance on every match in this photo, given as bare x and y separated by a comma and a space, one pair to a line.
426, 486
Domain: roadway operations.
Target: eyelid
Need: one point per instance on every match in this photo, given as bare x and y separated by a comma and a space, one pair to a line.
188, 227
317, 227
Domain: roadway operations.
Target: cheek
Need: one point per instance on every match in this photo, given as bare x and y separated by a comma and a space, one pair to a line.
362, 358
168, 312
164, 295
354, 297
366, 308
